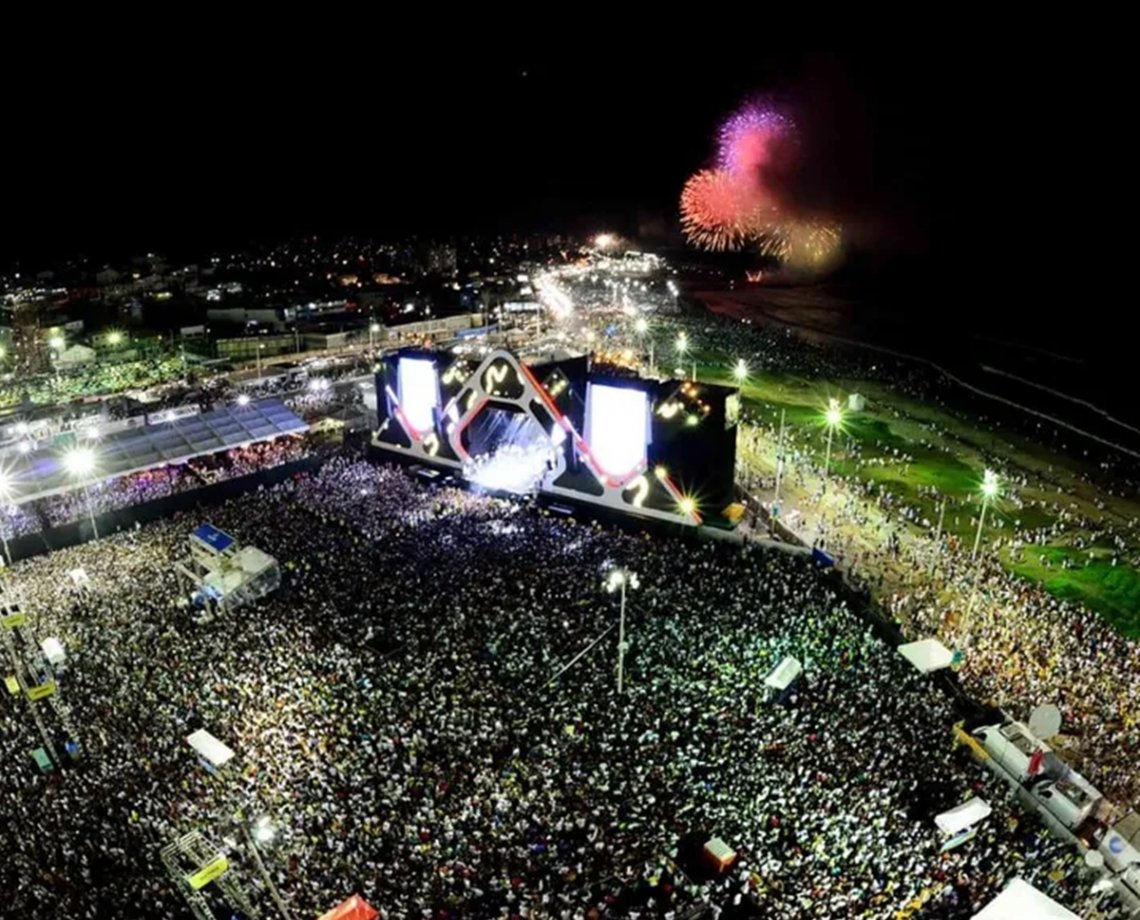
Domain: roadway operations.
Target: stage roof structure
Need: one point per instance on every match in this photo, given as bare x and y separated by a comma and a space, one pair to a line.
1021, 900
40, 473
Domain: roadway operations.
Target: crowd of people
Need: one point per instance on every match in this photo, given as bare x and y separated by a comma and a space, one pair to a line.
397, 716
150, 484
94, 380
1023, 645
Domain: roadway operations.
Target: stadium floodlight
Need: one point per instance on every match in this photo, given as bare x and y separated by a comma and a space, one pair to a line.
604, 240
114, 338
243, 399
642, 325
682, 344
80, 462
834, 418
619, 580
687, 505
263, 829
991, 487
56, 342
740, 371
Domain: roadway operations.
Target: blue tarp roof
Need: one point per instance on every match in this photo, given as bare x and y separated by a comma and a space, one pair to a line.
41, 472
218, 540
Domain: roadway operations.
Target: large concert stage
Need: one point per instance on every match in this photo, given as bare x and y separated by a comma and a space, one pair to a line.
565, 427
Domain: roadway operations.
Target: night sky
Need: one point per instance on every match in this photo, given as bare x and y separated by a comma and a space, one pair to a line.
181, 150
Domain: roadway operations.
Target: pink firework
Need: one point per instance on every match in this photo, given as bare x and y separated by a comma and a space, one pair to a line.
716, 210
747, 140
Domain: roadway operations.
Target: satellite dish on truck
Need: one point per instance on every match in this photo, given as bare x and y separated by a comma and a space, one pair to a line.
1045, 721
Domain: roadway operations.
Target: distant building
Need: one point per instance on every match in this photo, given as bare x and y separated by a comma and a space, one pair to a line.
441, 260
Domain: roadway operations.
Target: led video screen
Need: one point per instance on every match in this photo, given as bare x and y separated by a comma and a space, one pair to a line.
617, 428
418, 392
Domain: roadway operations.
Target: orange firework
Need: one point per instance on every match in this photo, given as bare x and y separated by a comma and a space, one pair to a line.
716, 210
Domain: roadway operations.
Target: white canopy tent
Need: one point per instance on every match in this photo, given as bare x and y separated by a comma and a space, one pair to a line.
209, 748
783, 674
1021, 901
927, 655
963, 816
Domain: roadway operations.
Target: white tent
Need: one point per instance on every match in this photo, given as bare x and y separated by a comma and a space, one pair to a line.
965, 815
1021, 901
927, 655
786, 671
209, 748
76, 354
53, 651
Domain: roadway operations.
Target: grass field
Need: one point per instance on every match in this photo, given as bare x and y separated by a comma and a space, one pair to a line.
947, 454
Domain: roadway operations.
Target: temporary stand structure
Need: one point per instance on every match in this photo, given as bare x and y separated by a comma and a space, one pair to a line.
219, 575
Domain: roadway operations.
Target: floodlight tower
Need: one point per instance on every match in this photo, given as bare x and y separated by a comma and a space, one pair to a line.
619, 579
80, 463
991, 486
834, 418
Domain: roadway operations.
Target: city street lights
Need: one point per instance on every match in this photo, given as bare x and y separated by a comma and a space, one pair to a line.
834, 418
618, 580
991, 486
80, 463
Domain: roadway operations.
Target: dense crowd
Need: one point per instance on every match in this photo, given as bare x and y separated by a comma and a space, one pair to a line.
95, 380
393, 713
1023, 645
147, 485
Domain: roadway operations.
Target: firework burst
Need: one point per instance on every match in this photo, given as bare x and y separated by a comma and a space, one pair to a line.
809, 244
715, 211
748, 138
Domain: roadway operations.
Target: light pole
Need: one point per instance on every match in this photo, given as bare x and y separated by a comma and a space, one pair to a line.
990, 488
80, 463
682, 346
257, 355
264, 831
779, 466
5, 500
641, 326
740, 371
834, 418
617, 580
